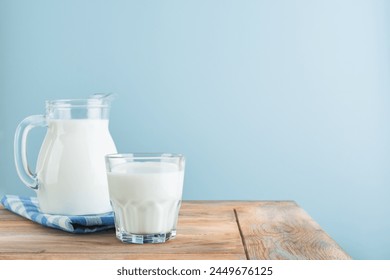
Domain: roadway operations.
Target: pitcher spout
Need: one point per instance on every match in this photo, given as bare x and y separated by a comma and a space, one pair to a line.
104, 98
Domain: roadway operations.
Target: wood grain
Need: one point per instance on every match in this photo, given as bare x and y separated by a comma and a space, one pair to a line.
283, 230
206, 230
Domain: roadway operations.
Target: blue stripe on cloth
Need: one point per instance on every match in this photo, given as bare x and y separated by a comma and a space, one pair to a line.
28, 207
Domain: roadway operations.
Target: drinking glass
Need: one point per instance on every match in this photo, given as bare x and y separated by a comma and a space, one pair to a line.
145, 191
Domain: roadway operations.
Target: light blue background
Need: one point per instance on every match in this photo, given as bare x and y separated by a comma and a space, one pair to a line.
268, 100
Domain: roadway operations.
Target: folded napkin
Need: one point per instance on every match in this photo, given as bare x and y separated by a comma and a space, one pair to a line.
28, 208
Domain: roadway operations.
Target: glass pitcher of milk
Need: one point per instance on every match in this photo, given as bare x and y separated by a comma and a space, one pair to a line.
70, 177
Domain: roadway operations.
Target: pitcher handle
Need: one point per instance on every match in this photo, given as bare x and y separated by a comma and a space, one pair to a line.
20, 152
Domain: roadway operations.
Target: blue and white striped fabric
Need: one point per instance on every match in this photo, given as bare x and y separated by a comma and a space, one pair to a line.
28, 208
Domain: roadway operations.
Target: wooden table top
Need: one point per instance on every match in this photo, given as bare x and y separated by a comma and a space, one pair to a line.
206, 230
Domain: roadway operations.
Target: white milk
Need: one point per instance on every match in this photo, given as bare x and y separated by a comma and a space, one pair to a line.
71, 167
146, 196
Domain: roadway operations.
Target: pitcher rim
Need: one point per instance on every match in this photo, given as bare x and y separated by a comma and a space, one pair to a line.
78, 103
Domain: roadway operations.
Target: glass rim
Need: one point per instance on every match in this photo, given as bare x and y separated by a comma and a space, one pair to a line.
144, 155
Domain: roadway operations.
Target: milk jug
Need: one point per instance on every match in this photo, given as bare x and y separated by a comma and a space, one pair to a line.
70, 176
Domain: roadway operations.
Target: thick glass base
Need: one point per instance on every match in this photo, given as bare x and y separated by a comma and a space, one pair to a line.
126, 237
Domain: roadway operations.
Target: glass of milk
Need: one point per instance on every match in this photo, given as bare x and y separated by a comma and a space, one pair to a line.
145, 191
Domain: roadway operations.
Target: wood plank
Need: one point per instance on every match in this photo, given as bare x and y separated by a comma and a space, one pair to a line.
204, 232
283, 230
117, 256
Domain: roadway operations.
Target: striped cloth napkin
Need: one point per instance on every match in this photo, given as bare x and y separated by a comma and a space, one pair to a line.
28, 208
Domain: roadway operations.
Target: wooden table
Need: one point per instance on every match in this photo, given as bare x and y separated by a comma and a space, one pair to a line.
206, 230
